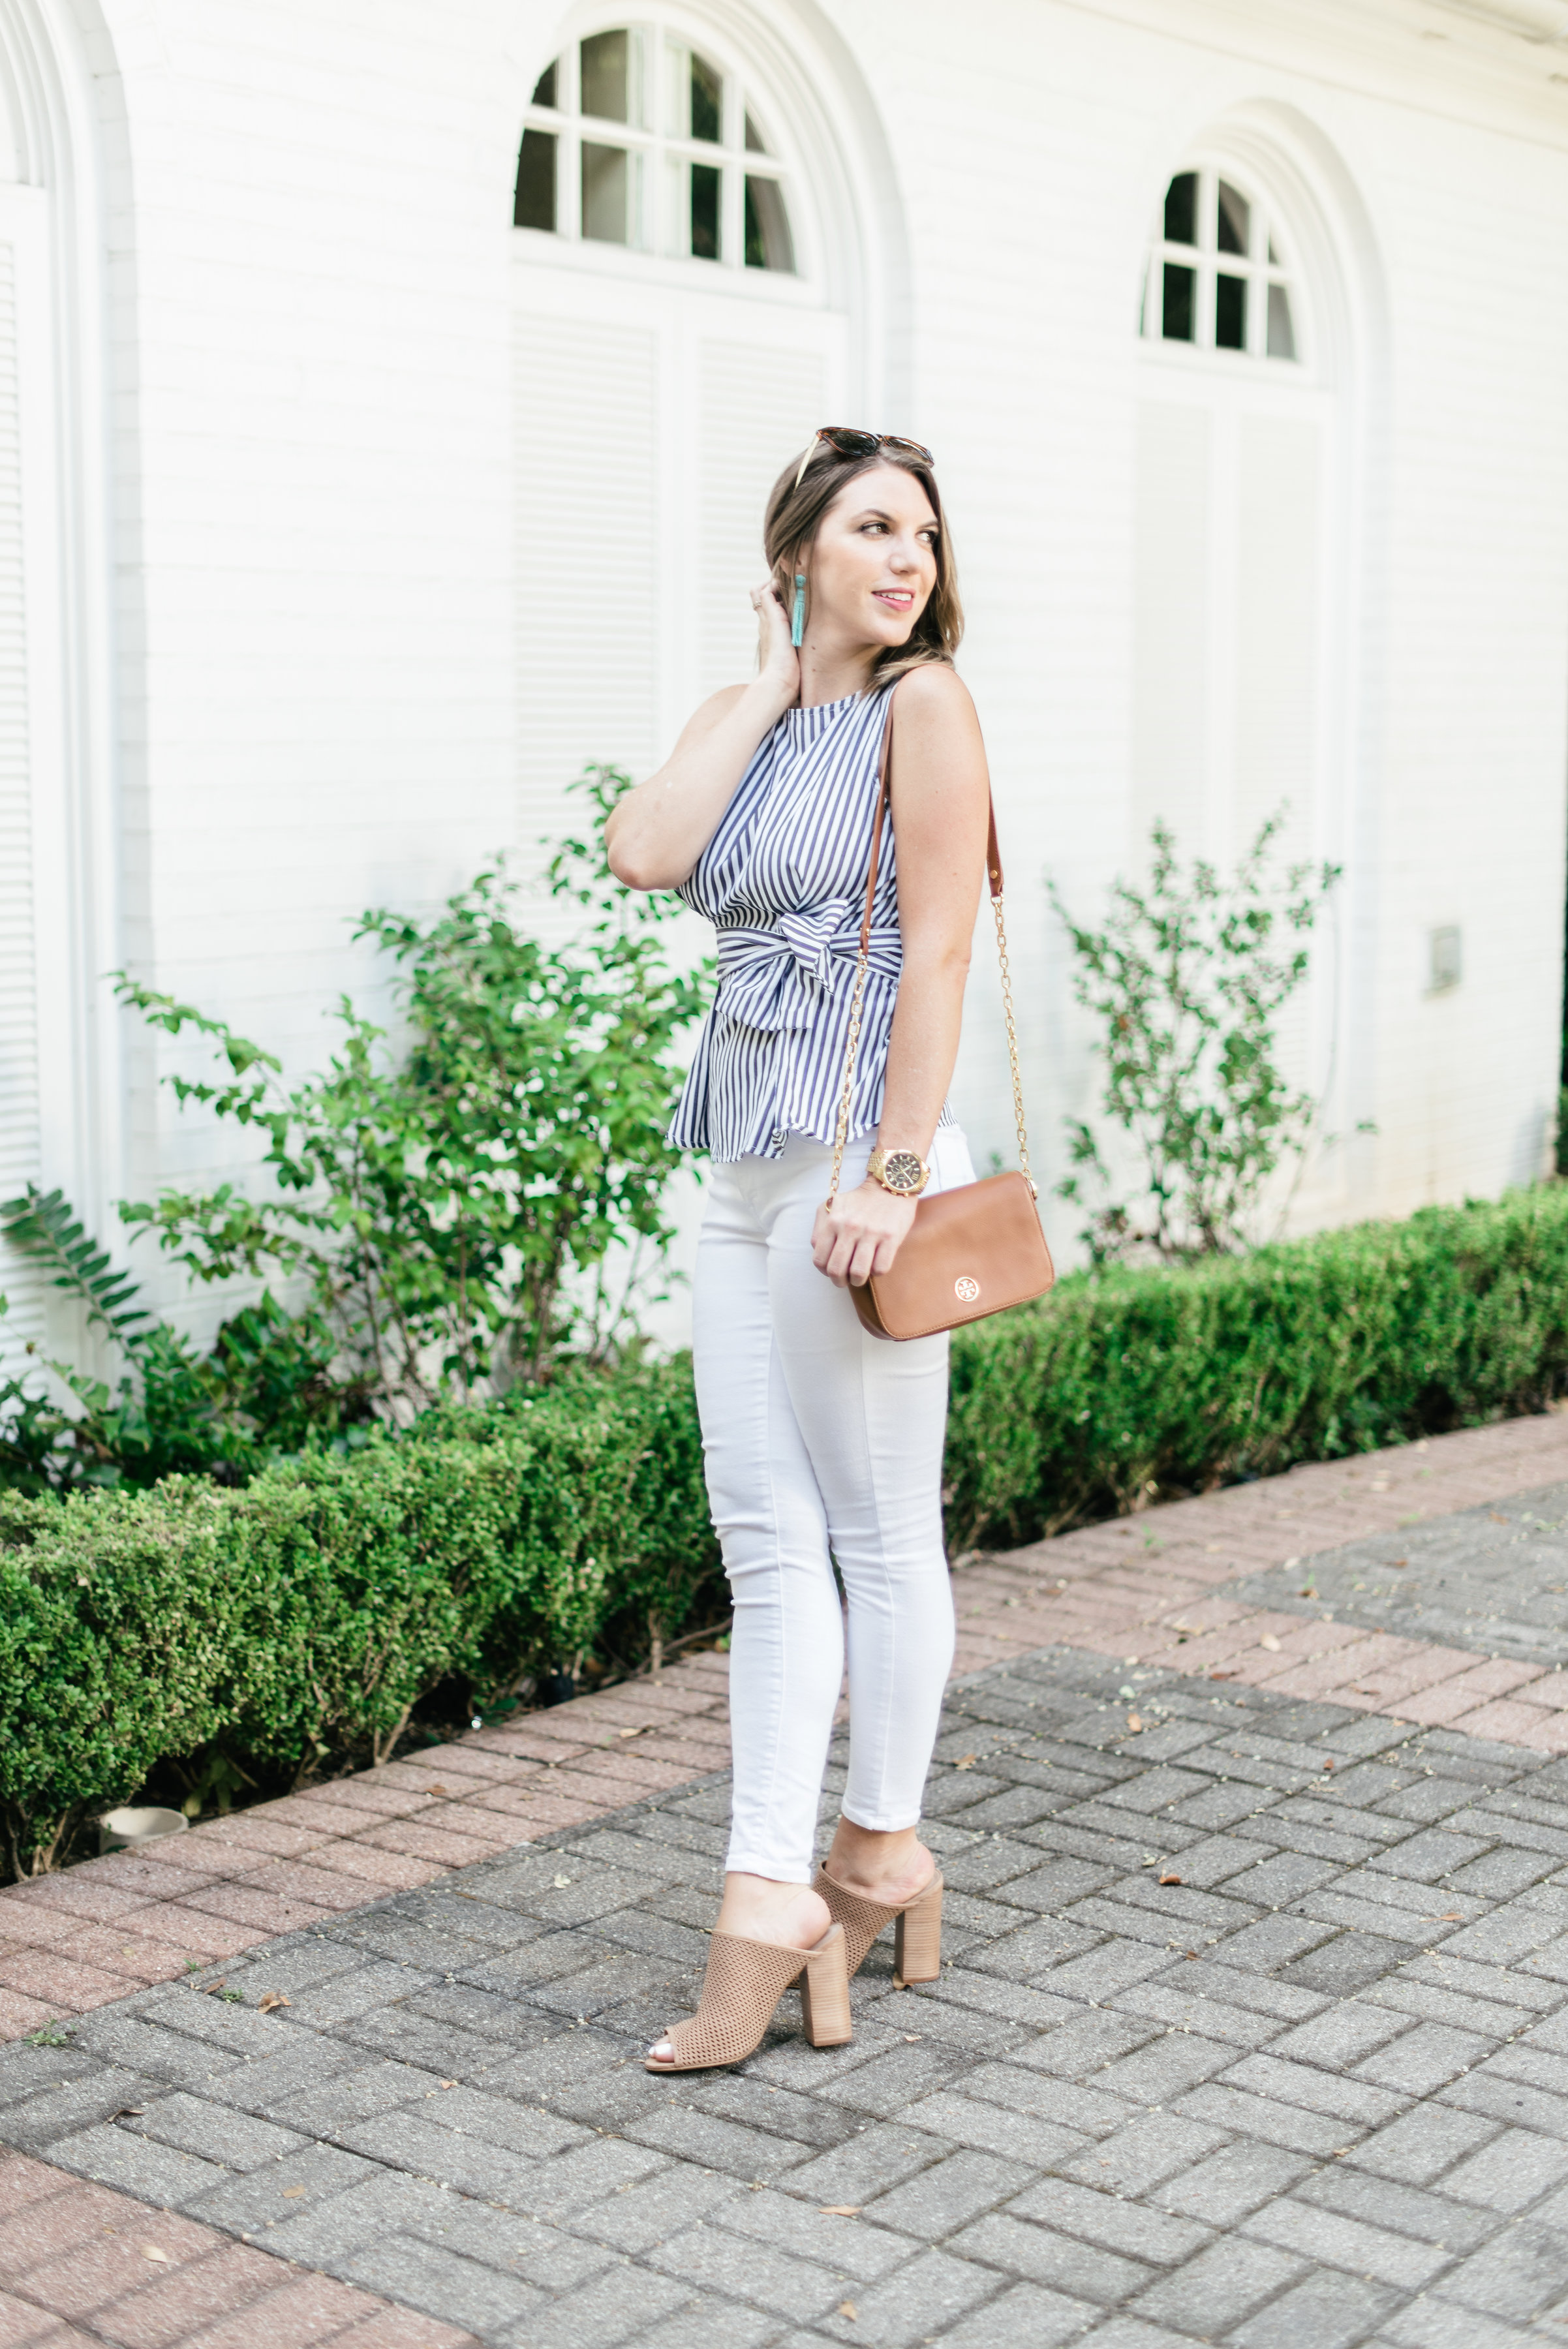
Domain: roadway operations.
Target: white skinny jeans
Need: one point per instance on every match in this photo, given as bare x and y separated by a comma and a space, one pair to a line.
817, 1438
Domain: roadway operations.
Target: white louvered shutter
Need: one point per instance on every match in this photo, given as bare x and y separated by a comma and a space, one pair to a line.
21, 1136
1171, 624
588, 512
756, 406
1277, 690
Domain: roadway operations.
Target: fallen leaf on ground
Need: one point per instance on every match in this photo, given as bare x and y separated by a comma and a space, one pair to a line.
1398, 1561
562, 1882
209, 1987
273, 1998
1452, 1916
152, 2251
847, 2308
435, 1790
1135, 1722
1192, 1953
965, 1762
128, 2113
913, 2038
1271, 1642
1169, 1878
1328, 1765
1221, 1676
293, 2193
631, 1733
839, 2211
446, 2084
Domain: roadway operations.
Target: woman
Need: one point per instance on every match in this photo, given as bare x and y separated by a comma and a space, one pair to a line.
824, 1444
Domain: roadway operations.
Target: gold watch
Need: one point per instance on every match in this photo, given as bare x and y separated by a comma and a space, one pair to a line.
903, 1172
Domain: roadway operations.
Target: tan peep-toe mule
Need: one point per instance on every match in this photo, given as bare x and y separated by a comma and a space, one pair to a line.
918, 1927
743, 1984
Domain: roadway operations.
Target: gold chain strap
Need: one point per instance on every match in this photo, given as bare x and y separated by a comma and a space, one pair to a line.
852, 1045
1013, 1045
851, 1048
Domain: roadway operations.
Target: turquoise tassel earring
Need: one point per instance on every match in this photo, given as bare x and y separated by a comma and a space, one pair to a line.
797, 616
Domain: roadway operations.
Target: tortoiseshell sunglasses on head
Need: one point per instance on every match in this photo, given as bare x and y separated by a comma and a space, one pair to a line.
851, 442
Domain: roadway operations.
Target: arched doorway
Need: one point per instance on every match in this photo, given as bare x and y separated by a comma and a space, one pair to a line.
1249, 556
681, 324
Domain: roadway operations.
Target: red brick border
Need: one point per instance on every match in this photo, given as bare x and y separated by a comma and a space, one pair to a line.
79, 2263
1148, 1588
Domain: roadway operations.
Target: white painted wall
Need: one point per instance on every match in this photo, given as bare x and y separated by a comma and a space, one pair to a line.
315, 299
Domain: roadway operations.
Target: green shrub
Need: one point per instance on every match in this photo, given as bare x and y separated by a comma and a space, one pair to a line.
294, 1624
116, 1629
299, 1620
1122, 1384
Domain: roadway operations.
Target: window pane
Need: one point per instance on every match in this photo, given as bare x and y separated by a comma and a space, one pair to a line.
1235, 220
756, 144
536, 202
707, 101
1180, 302
705, 178
605, 63
1282, 329
1181, 212
1230, 312
544, 88
1273, 257
769, 244
604, 193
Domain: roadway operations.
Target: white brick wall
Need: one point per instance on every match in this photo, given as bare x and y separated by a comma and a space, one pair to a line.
310, 223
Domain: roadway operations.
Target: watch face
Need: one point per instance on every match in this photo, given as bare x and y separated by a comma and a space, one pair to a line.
902, 1171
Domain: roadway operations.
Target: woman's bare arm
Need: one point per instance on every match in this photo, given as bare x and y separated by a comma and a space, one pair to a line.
940, 796
657, 832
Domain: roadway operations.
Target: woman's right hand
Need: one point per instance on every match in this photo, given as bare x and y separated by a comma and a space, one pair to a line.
778, 663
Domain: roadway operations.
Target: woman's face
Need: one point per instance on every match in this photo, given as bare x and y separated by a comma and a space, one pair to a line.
872, 568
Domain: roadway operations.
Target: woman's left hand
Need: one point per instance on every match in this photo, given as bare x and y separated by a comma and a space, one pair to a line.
860, 1233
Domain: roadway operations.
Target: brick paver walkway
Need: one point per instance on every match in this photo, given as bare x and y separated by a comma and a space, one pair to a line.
1422, 1589
1252, 2027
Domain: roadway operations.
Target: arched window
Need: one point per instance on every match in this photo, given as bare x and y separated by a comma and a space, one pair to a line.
1217, 277
635, 138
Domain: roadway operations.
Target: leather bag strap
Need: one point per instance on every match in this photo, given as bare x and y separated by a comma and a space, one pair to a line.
884, 810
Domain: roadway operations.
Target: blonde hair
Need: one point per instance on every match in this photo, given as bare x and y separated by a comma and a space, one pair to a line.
796, 503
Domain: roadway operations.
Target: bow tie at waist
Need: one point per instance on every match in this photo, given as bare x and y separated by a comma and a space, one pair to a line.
779, 978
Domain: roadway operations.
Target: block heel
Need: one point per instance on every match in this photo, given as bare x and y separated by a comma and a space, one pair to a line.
918, 1937
917, 1925
824, 1993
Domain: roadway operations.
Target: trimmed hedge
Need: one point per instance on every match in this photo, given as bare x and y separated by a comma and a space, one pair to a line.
307, 1614
304, 1617
1125, 1384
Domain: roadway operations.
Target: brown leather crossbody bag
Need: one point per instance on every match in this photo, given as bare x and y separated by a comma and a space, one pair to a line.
974, 1250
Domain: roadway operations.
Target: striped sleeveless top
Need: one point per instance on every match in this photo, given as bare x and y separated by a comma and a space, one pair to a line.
784, 881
